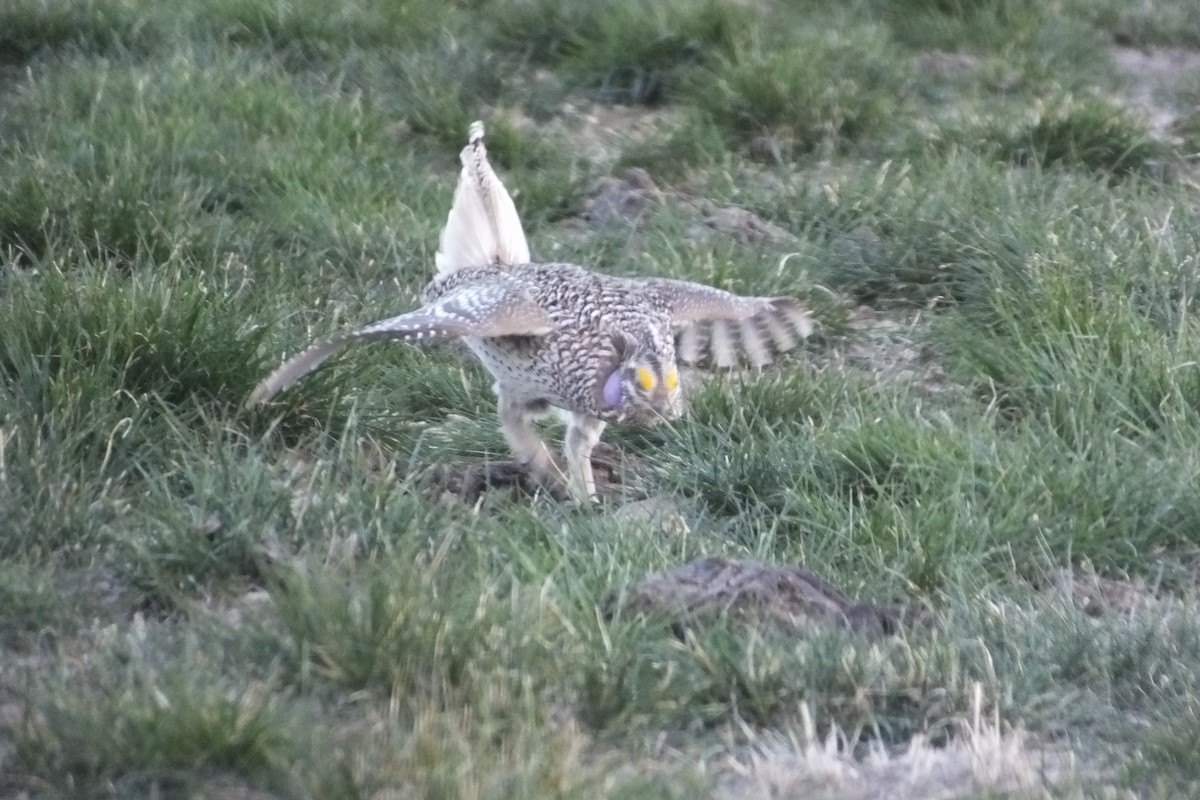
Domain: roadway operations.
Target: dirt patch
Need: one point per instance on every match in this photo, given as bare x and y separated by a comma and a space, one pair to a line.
1154, 80
888, 347
597, 132
628, 199
600, 133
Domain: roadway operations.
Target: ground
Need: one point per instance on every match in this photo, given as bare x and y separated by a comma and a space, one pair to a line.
986, 452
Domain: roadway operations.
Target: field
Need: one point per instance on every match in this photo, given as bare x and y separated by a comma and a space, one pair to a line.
992, 208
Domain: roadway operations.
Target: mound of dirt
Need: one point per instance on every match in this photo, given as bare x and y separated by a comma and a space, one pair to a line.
790, 596
741, 225
614, 471
625, 199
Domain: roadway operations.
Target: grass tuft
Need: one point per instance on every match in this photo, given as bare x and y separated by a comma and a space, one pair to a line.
40, 28
623, 52
1091, 134
1169, 23
139, 727
830, 87
445, 640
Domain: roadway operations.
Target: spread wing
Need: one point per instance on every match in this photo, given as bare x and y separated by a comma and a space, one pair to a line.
720, 328
493, 309
483, 228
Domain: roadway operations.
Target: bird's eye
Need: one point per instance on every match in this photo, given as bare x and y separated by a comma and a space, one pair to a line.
672, 380
645, 378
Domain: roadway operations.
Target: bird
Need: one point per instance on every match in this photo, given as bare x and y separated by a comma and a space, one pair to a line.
560, 338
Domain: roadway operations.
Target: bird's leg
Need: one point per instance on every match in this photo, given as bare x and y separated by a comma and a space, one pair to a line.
583, 432
526, 445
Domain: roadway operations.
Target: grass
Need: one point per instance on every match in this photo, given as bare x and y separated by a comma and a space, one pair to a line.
627, 52
997, 419
824, 86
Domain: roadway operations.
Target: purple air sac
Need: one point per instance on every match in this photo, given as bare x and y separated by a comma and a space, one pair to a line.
612, 390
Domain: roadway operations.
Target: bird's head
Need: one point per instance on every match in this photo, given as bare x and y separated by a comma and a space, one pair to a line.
643, 389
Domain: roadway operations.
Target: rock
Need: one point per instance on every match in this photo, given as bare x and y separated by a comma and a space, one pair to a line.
744, 226
657, 514
622, 199
860, 247
1097, 595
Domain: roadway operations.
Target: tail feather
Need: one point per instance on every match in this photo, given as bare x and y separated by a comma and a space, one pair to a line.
483, 228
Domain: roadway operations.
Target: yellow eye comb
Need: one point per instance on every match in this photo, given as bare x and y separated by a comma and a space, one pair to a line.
672, 380
645, 378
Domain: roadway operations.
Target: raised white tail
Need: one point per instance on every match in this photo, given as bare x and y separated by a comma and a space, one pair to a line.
483, 228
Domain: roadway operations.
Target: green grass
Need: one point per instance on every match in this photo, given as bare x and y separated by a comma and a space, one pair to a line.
843, 85
622, 51
201, 600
